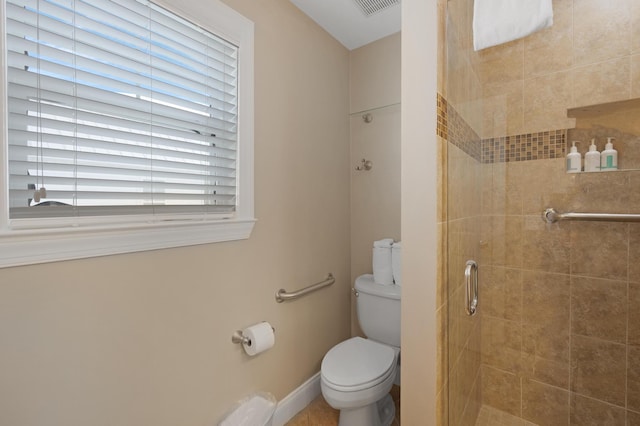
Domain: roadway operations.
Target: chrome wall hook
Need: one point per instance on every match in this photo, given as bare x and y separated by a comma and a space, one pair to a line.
365, 165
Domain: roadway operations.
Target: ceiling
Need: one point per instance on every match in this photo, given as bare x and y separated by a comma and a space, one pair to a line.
346, 21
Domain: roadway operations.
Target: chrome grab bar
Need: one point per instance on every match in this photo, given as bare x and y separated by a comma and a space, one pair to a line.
471, 280
282, 294
550, 215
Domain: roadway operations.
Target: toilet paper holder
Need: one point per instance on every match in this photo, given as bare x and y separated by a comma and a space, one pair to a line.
238, 337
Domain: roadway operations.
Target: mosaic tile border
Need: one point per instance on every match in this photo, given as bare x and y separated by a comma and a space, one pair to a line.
453, 128
526, 147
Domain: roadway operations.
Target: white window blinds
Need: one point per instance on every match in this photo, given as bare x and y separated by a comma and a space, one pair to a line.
118, 107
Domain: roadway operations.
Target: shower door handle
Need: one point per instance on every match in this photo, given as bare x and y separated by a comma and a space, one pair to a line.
471, 284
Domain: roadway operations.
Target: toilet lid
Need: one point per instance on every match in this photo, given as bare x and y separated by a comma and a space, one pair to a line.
356, 362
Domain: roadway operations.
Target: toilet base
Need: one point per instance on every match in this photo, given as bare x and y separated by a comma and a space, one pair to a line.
380, 413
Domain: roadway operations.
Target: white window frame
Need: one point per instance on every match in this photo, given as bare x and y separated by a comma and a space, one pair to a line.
30, 246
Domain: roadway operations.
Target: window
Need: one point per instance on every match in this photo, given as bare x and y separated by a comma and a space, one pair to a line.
124, 118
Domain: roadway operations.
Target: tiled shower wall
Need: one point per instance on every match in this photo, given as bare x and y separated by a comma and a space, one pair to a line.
559, 332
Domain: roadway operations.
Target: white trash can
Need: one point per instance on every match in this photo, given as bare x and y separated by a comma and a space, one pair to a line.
255, 410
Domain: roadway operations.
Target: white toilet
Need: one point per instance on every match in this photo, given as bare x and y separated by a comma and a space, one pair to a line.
357, 374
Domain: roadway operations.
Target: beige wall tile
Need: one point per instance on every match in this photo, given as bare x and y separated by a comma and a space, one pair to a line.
544, 370
547, 298
633, 378
546, 99
442, 406
442, 285
443, 352
635, 74
635, 27
502, 292
462, 200
634, 314
546, 327
602, 82
546, 248
501, 390
593, 192
590, 412
443, 153
545, 184
633, 418
501, 344
599, 307
551, 49
634, 200
545, 348
543, 404
513, 194
474, 404
502, 64
507, 247
463, 378
502, 109
599, 249
598, 369
602, 30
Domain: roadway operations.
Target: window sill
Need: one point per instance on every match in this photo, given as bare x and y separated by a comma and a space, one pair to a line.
42, 246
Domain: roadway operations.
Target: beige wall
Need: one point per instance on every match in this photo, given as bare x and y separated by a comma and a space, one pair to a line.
374, 77
419, 202
145, 339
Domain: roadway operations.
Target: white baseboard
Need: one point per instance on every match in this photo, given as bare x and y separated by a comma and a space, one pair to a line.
297, 400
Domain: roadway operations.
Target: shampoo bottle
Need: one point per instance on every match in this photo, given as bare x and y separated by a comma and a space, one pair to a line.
592, 158
609, 157
574, 159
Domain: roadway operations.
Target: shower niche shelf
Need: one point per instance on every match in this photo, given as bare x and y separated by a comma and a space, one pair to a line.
604, 108
619, 120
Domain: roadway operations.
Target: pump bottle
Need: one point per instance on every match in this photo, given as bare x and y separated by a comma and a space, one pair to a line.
609, 157
592, 158
574, 159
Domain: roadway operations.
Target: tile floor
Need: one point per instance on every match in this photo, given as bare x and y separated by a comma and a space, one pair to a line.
319, 413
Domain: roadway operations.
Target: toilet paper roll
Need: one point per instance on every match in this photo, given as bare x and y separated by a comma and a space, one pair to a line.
260, 338
382, 270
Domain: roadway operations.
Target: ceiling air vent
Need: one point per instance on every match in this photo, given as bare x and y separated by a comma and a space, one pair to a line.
369, 7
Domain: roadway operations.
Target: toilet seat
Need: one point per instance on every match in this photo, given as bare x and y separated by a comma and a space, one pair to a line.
357, 364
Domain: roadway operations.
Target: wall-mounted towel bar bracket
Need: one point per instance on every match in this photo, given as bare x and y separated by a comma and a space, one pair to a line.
282, 294
550, 215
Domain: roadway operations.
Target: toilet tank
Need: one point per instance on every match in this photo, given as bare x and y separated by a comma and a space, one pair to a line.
378, 308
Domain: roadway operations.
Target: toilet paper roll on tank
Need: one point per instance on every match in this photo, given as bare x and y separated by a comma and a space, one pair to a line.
387, 261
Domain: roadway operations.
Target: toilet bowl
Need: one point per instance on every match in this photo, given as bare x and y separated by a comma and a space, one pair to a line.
356, 375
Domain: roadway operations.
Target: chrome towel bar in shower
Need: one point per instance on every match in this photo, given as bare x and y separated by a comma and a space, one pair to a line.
550, 215
282, 294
